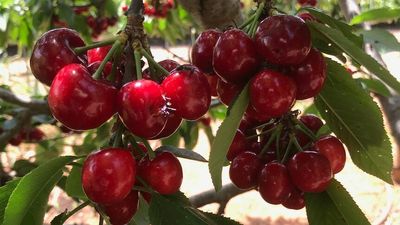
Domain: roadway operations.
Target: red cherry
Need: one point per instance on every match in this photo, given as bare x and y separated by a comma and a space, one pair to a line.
91, 21
53, 51
97, 54
163, 173
333, 149
167, 64
312, 122
108, 175
106, 72
272, 93
33, 135
295, 200
244, 170
146, 196
283, 40
238, 145
16, 140
310, 171
253, 115
307, 2
202, 50
142, 108
212, 81
228, 91
188, 92
80, 102
172, 125
235, 58
310, 75
307, 17
274, 183
121, 213
136, 153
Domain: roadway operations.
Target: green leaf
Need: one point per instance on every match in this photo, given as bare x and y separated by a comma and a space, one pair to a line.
357, 120
375, 86
141, 217
73, 185
381, 39
182, 153
381, 14
172, 140
190, 133
5, 193
224, 137
28, 202
335, 206
357, 54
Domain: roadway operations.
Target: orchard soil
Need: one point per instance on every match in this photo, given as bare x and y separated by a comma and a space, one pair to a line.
374, 197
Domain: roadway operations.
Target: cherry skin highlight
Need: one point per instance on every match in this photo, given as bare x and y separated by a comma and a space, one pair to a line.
97, 54
333, 149
244, 170
274, 183
121, 212
202, 50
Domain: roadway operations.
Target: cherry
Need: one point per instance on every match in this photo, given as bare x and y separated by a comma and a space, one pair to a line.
202, 50
142, 108
310, 171
274, 183
283, 40
97, 54
244, 170
33, 135
213, 81
121, 212
80, 102
272, 93
238, 145
310, 75
307, 2
163, 173
188, 91
146, 196
16, 140
106, 72
235, 58
333, 149
53, 51
312, 122
307, 17
167, 64
136, 153
172, 125
253, 115
295, 200
228, 91
108, 175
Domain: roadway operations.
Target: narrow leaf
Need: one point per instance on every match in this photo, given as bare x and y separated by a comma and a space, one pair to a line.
375, 86
73, 185
141, 217
182, 152
381, 14
381, 39
5, 193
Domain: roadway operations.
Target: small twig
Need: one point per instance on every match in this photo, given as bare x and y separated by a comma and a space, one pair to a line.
36, 106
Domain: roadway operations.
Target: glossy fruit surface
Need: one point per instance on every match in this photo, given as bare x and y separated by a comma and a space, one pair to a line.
172, 125
333, 149
188, 92
238, 145
212, 81
53, 51
107, 71
235, 58
227, 91
295, 200
272, 93
310, 171
97, 54
283, 40
253, 115
142, 108
163, 173
310, 75
244, 170
167, 64
274, 183
202, 50
312, 122
103, 179
80, 102
121, 213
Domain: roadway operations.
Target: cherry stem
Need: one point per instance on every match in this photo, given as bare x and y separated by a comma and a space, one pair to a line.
138, 188
81, 50
117, 57
138, 64
247, 22
262, 133
118, 135
278, 145
135, 145
303, 128
117, 44
150, 151
254, 24
264, 124
149, 189
153, 63
72, 212
296, 143
101, 220
287, 150
270, 140
103, 215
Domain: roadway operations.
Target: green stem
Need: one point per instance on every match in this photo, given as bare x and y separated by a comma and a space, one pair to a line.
72, 212
135, 145
247, 22
303, 128
270, 140
254, 24
262, 133
153, 62
117, 44
278, 145
296, 143
118, 135
145, 185
287, 151
80, 50
138, 188
117, 58
138, 64
149, 149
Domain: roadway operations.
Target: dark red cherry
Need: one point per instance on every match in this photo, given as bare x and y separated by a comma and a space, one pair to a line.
136, 153
235, 58
202, 50
272, 93
312, 122
212, 81
142, 108
33, 135
167, 64
108, 175
80, 102
295, 200
121, 212
310, 75
283, 40
333, 149
163, 173
310, 171
307, 2
274, 183
244, 170
188, 91
238, 145
106, 72
53, 51
307, 17
227, 91
16, 140
253, 115
172, 125
146, 196
97, 54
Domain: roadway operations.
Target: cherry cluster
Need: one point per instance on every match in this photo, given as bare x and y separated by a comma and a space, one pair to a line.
26, 135
157, 8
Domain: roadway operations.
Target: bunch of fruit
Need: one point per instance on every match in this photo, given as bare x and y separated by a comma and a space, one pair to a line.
157, 8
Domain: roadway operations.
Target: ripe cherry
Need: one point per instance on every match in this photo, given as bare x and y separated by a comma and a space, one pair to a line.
167, 64
307, 2
253, 115
142, 108
312, 122
121, 212
274, 183
188, 91
307, 17
53, 51
80, 102
163, 173
310, 75
33, 135
244, 170
310, 171
238, 145
295, 200
283, 40
333, 149
172, 125
235, 58
108, 175
106, 72
212, 81
227, 91
272, 93
202, 50
97, 54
